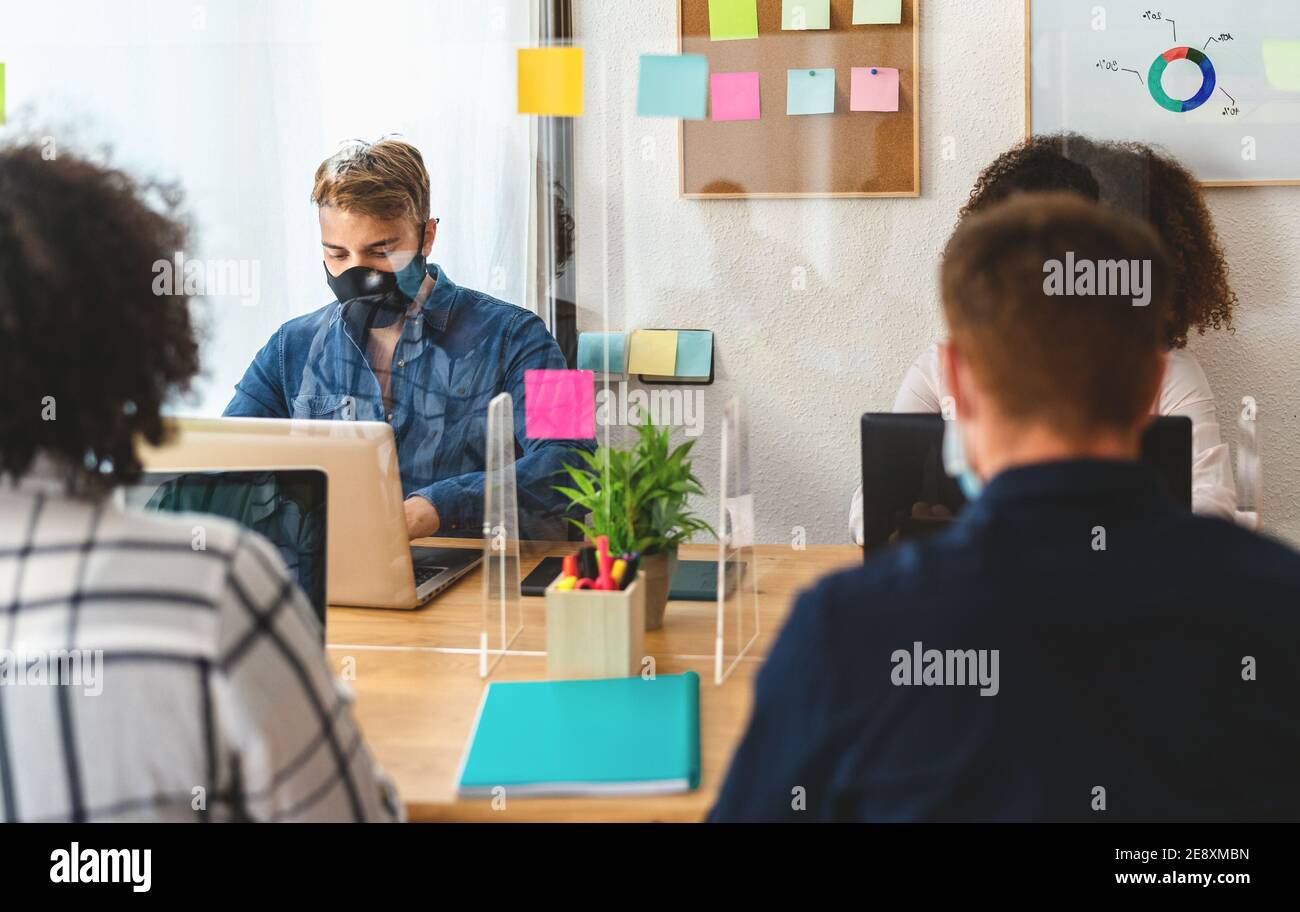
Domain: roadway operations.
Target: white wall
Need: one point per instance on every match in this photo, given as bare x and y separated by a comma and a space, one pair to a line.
240, 102
811, 362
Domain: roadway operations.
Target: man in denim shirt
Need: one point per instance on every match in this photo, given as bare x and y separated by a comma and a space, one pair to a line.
404, 344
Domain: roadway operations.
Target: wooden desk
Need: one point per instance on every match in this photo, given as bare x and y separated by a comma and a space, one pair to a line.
417, 686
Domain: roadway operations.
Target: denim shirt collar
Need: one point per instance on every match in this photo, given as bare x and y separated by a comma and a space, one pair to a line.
436, 308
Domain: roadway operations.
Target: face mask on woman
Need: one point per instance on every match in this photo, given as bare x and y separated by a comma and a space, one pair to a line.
955, 464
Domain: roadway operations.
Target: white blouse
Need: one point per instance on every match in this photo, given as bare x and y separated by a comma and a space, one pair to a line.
1186, 391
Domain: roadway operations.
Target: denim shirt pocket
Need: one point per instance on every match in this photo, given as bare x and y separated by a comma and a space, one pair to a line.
333, 407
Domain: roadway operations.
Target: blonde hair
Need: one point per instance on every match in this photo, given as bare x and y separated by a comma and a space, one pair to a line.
386, 180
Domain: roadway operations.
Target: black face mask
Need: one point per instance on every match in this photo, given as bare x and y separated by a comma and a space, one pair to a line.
382, 297
370, 296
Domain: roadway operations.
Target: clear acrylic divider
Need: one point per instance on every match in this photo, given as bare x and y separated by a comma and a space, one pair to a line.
503, 618
1250, 481
738, 624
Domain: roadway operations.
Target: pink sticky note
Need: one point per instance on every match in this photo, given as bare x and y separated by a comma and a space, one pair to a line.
735, 96
560, 405
874, 89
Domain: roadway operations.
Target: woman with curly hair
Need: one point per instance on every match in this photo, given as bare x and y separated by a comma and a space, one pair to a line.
1151, 186
192, 683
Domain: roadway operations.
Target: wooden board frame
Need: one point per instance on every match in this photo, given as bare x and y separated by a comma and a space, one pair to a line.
1029, 111
914, 193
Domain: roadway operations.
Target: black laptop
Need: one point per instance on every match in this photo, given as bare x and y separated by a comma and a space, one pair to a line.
285, 506
906, 493
694, 580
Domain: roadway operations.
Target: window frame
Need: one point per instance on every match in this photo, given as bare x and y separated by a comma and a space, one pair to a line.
555, 250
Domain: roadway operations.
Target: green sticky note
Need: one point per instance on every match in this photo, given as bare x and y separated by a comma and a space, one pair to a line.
877, 12
673, 86
730, 20
1281, 65
801, 15
2, 93
810, 91
694, 353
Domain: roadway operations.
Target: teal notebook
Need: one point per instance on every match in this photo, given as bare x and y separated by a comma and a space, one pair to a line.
613, 736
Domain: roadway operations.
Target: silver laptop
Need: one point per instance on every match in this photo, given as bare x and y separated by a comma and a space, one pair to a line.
371, 563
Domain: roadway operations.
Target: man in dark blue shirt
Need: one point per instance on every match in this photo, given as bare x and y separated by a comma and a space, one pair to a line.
1074, 647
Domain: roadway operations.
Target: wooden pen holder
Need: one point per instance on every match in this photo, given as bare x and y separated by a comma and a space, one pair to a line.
594, 633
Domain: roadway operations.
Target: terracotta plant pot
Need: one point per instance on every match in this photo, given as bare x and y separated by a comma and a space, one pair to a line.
658, 570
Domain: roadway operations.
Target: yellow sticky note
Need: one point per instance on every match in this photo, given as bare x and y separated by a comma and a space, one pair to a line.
2, 93
550, 81
654, 352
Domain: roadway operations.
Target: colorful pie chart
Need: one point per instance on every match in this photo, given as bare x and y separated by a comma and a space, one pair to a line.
1155, 80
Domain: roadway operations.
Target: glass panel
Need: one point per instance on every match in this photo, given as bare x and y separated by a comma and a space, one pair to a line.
738, 624
1250, 481
503, 619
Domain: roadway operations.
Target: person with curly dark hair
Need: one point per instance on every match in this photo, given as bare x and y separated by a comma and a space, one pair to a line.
181, 682
89, 351
1155, 188
1142, 182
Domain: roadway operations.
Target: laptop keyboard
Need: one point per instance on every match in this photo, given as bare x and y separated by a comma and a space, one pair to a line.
424, 574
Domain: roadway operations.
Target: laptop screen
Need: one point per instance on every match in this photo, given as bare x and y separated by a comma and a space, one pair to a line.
285, 506
907, 494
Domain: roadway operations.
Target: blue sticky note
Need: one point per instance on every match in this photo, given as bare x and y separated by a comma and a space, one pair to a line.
591, 352
674, 85
694, 353
810, 91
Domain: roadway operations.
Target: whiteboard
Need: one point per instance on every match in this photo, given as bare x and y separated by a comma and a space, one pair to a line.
1215, 84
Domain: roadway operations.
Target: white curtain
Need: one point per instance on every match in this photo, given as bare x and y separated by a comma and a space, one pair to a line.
239, 100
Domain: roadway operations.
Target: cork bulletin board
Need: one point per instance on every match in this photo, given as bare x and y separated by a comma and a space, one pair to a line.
844, 154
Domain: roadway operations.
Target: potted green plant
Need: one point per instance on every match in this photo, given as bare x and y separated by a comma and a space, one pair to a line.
637, 496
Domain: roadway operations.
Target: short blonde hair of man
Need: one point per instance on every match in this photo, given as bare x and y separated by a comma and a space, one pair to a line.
385, 180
